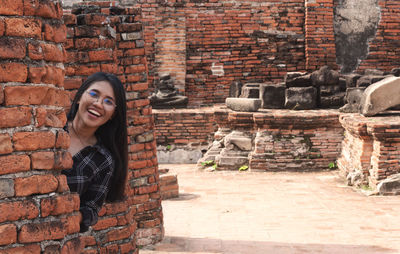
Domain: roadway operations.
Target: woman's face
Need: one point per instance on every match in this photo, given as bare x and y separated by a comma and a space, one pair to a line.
97, 104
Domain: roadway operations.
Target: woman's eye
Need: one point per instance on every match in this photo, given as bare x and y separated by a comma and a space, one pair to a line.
93, 94
108, 102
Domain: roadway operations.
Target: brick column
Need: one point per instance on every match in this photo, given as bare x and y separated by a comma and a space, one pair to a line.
37, 212
106, 37
320, 40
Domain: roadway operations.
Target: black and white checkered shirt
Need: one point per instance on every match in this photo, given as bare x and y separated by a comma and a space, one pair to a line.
90, 176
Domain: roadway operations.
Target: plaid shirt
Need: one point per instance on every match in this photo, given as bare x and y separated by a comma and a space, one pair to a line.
90, 176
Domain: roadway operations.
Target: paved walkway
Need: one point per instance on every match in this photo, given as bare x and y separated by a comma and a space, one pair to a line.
277, 213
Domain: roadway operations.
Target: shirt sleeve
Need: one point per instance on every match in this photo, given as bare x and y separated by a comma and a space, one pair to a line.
90, 177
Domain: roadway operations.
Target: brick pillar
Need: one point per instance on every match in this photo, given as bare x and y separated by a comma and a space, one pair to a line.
37, 212
320, 39
105, 37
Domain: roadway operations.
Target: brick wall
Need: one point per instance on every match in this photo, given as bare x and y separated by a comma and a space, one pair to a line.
184, 127
370, 147
384, 50
320, 39
37, 212
106, 37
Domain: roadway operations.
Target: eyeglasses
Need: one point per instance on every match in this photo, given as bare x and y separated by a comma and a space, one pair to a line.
107, 102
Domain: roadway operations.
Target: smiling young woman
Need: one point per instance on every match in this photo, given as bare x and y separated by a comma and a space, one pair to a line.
97, 127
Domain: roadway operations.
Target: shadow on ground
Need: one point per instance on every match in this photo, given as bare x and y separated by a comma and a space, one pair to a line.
172, 244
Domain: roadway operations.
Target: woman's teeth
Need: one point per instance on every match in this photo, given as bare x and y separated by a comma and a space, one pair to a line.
94, 112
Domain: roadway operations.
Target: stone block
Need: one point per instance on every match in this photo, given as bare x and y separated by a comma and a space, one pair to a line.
298, 98
380, 96
366, 81
325, 76
272, 95
332, 101
235, 89
250, 90
352, 100
297, 79
243, 104
351, 79
390, 186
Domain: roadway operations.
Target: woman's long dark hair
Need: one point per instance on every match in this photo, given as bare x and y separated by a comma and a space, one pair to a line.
113, 134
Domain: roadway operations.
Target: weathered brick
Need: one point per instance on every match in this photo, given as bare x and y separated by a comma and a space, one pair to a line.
35, 51
42, 160
62, 183
50, 117
18, 210
28, 249
56, 32
15, 117
43, 8
13, 72
8, 234
5, 144
24, 27
11, 7
87, 43
30, 141
32, 95
74, 245
6, 188
63, 160
12, 48
47, 75
62, 140
14, 163
37, 184
59, 205
72, 83
54, 53
37, 232
101, 55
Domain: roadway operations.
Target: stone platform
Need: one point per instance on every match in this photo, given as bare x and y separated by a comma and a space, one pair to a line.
276, 140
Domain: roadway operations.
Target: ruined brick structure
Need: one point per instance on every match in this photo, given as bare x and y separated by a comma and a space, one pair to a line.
37, 212
105, 37
39, 50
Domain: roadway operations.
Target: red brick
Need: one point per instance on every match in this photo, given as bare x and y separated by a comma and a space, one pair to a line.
62, 183
14, 164
42, 160
135, 69
101, 55
59, 205
26, 249
12, 48
36, 95
69, 19
105, 223
95, 19
72, 83
30, 141
87, 70
24, 27
63, 160
37, 232
50, 117
54, 53
11, 7
118, 234
2, 27
71, 224
63, 140
47, 75
86, 43
5, 144
14, 117
8, 234
13, 72
43, 8
56, 32
135, 52
35, 51
111, 68
146, 189
129, 27
18, 210
73, 246
37, 184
